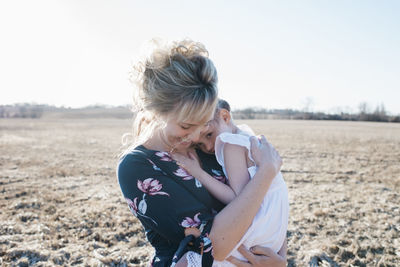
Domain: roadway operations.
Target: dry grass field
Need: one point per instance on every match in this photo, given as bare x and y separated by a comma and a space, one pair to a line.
60, 202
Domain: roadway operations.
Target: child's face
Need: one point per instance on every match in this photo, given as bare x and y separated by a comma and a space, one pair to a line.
207, 138
221, 124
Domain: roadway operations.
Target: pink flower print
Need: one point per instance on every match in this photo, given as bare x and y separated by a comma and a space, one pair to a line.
208, 249
207, 242
151, 186
139, 210
183, 174
164, 156
132, 205
189, 222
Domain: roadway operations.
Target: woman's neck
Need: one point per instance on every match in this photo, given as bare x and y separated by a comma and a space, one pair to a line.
158, 142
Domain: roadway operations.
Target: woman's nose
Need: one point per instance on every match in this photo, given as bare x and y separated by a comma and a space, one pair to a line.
195, 136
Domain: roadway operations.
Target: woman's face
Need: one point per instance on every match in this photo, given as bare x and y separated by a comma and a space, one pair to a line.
181, 135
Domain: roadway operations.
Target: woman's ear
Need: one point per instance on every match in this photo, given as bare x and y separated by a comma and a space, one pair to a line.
225, 115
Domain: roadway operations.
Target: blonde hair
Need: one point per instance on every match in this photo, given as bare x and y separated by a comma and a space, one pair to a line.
176, 78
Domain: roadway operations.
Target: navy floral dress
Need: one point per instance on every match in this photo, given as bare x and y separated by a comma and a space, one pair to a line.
166, 200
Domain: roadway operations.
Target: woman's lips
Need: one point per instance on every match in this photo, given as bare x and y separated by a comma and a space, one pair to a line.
185, 143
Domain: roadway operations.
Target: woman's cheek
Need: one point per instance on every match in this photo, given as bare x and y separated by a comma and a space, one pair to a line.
182, 134
177, 132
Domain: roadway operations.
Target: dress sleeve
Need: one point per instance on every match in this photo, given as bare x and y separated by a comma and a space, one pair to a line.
230, 138
162, 204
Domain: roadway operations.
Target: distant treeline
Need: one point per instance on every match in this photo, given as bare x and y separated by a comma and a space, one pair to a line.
23, 110
26, 110
379, 114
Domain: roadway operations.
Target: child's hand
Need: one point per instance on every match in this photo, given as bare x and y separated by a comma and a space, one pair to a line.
190, 163
264, 154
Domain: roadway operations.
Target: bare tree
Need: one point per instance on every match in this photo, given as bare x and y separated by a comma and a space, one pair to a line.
308, 104
363, 108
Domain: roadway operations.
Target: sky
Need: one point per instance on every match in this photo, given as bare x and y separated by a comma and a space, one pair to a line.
318, 55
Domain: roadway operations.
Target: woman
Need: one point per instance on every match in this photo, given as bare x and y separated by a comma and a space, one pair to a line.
177, 96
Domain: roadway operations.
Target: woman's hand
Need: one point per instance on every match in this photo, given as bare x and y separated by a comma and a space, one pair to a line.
258, 257
264, 154
190, 163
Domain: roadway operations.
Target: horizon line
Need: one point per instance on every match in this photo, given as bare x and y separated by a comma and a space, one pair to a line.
339, 109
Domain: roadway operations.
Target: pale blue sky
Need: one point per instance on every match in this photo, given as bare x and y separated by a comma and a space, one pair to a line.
272, 54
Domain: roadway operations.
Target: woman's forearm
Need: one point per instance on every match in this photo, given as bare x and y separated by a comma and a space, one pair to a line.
231, 223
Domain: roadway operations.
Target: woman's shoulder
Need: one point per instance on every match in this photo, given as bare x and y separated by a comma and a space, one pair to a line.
134, 162
134, 155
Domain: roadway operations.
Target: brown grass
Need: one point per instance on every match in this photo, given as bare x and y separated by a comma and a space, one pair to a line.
60, 202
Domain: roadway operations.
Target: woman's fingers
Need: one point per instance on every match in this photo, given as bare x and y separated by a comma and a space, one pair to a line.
238, 262
263, 140
254, 141
268, 257
263, 251
247, 254
264, 153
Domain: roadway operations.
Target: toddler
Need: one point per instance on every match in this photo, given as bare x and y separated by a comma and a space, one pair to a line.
231, 145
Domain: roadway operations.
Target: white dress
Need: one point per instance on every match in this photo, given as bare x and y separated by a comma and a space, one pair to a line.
269, 226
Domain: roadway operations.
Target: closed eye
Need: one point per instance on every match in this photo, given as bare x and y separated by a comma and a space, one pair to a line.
185, 127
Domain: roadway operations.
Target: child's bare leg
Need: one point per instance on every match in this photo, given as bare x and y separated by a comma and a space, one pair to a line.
182, 261
189, 259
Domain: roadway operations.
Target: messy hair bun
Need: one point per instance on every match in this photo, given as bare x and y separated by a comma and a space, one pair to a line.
174, 78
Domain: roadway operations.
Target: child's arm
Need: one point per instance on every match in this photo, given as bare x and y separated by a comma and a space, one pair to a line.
235, 160
219, 190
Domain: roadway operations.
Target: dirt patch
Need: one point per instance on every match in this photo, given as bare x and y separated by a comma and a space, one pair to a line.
60, 203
